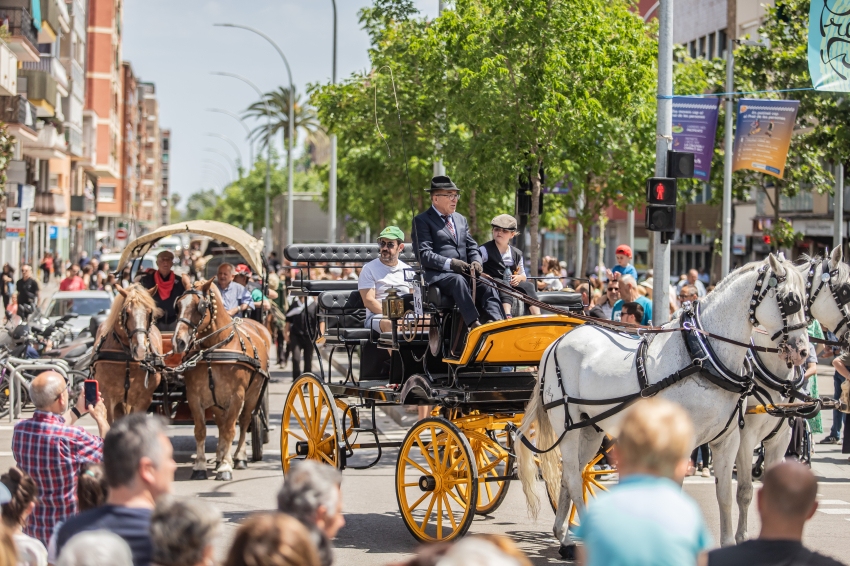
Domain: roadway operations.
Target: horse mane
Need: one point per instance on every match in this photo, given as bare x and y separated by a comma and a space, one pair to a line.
136, 295
726, 281
843, 268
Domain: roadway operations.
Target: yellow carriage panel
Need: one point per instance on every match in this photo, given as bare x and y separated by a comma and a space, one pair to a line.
515, 341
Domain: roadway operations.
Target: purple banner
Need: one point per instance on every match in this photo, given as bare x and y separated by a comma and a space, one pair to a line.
694, 127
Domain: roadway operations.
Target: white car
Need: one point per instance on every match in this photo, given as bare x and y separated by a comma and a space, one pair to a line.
148, 262
84, 304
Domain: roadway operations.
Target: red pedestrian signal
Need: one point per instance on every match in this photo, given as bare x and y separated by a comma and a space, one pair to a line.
661, 190
661, 204
766, 239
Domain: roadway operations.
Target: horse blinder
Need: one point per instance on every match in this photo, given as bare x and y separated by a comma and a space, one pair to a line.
792, 303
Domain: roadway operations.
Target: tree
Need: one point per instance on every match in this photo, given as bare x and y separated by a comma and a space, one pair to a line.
278, 106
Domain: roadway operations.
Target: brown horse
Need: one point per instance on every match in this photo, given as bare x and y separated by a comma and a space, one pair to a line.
125, 348
228, 378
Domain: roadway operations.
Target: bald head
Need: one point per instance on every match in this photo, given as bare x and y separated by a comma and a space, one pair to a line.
789, 491
46, 388
693, 274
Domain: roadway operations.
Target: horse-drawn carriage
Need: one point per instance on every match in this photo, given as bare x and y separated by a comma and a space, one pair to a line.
457, 462
210, 367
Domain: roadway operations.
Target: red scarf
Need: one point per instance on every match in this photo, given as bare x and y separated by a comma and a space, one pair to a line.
164, 287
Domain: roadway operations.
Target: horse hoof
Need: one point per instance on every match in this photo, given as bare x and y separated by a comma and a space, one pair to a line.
199, 475
568, 552
223, 476
240, 465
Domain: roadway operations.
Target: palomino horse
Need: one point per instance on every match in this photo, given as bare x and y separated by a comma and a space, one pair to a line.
126, 348
825, 298
232, 360
591, 364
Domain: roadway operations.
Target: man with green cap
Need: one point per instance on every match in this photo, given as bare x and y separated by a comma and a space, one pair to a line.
382, 274
449, 254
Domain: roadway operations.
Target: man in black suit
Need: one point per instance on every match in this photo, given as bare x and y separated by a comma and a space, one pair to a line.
449, 254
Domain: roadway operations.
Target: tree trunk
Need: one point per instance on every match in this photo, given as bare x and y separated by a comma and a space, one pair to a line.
534, 219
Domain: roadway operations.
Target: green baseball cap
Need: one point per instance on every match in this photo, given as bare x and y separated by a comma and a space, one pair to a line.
393, 232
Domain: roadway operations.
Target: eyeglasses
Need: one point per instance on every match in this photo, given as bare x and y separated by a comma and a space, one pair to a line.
384, 244
684, 297
68, 389
613, 289
450, 196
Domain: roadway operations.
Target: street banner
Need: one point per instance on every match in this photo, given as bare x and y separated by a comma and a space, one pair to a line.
829, 45
763, 135
16, 222
694, 128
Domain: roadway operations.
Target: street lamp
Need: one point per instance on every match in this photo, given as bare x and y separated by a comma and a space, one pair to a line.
332, 176
228, 140
244, 125
215, 176
726, 220
289, 199
267, 234
222, 168
227, 157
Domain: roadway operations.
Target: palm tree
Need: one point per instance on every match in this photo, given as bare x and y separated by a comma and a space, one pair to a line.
278, 105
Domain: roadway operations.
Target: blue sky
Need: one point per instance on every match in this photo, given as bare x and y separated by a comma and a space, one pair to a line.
173, 43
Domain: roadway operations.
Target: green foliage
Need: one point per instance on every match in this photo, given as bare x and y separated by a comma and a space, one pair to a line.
276, 103
783, 235
7, 148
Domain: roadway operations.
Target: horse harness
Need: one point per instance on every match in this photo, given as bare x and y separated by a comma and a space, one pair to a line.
841, 294
213, 354
703, 360
152, 363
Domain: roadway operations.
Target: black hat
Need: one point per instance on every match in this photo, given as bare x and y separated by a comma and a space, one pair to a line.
442, 182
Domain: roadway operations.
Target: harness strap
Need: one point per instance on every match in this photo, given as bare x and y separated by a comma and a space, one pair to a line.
212, 386
126, 381
775, 430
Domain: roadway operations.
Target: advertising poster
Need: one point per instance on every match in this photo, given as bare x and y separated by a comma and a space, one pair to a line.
829, 45
763, 135
694, 128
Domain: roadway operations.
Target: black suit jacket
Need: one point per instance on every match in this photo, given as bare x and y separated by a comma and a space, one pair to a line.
435, 243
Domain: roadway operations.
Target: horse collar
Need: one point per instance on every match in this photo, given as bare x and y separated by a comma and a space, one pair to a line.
701, 352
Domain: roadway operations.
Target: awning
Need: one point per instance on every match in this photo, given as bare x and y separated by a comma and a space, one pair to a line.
246, 245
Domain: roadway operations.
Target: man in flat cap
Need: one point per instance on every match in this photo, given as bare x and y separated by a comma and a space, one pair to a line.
168, 287
449, 254
504, 262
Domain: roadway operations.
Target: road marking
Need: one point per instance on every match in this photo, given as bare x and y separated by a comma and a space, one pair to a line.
832, 502
835, 511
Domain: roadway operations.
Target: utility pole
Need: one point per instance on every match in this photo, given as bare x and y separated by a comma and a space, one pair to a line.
663, 135
838, 207
726, 221
439, 168
630, 230
332, 179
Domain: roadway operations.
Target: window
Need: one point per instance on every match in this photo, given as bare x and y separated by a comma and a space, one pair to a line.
693, 50
721, 43
702, 53
106, 193
711, 39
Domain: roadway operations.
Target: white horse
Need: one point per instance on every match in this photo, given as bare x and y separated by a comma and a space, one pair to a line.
597, 364
758, 427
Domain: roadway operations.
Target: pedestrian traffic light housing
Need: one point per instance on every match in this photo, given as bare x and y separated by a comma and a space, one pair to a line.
661, 195
680, 164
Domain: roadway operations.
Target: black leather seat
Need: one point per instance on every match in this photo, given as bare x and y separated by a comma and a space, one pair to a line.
344, 316
315, 287
434, 297
341, 253
562, 299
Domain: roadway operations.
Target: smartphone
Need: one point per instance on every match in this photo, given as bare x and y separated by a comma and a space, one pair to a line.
91, 392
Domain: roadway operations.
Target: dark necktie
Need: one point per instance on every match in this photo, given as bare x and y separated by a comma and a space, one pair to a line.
450, 226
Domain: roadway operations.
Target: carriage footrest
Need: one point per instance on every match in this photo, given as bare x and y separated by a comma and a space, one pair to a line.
395, 444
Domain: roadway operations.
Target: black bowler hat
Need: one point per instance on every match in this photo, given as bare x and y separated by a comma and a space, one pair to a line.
442, 182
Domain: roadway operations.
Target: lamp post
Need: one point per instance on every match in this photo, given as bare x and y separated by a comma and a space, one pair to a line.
214, 175
227, 157
247, 132
267, 233
332, 176
221, 167
289, 199
230, 141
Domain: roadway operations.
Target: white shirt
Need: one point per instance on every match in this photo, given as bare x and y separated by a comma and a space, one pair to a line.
381, 277
30, 550
700, 287
507, 259
448, 265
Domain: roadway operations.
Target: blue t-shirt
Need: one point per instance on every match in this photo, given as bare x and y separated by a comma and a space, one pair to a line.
628, 270
644, 520
616, 311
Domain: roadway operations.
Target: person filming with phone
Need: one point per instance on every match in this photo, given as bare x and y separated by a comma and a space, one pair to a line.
51, 450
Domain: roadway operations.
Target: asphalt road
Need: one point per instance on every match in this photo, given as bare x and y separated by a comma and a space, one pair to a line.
374, 532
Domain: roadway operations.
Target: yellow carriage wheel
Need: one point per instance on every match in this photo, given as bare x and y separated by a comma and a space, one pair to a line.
494, 458
436, 481
309, 427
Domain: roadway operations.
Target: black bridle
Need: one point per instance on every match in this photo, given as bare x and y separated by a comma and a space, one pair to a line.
131, 333
841, 294
789, 303
204, 308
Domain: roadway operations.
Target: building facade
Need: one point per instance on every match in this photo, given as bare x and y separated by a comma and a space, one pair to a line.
165, 197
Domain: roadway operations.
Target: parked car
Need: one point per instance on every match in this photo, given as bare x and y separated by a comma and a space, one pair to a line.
85, 304
148, 262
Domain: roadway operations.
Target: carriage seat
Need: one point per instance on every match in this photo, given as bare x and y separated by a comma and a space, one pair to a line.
344, 316
562, 300
359, 254
433, 296
316, 287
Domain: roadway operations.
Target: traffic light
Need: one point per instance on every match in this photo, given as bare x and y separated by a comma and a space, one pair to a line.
766, 239
661, 204
680, 164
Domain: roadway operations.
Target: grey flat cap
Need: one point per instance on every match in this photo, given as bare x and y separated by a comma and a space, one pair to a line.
504, 221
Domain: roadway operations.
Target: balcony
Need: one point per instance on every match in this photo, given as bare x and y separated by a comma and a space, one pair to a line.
49, 145
89, 154
74, 139
24, 40
82, 205
8, 71
78, 80
19, 116
41, 90
50, 203
50, 65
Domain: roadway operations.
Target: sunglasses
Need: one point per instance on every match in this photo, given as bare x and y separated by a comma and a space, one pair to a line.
505, 230
385, 244
613, 289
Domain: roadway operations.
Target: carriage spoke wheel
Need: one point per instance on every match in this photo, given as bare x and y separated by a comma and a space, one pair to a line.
589, 487
494, 458
309, 427
436, 481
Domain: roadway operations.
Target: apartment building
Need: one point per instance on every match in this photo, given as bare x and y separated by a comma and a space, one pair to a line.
149, 213
165, 197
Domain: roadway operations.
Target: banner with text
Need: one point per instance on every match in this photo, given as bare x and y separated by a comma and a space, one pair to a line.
829, 45
694, 128
763, 135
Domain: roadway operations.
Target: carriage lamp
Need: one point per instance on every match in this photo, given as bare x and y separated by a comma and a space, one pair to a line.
393, 305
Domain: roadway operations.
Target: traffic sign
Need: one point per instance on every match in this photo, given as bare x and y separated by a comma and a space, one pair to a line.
16, 222
121, 234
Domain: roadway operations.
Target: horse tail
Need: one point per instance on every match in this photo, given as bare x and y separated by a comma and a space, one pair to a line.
536, 424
